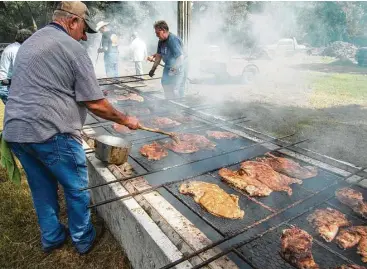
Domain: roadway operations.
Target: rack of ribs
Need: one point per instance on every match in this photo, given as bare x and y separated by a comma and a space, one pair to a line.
214, 199
288, 167
296, 248
221, 135
153, 151
353, 199
189, 143
327, 222
352, 236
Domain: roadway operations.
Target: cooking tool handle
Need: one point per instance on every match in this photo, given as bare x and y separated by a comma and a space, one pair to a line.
174, 137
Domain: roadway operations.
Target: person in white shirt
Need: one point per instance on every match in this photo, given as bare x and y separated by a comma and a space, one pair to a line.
138, 51
7, 62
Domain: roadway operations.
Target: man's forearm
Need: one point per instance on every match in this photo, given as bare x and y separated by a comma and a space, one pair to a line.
102, 108
157, 61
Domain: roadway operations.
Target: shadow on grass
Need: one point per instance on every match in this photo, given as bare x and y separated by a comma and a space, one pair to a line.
340, 66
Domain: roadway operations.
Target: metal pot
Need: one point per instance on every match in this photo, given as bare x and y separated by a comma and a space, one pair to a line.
112, 149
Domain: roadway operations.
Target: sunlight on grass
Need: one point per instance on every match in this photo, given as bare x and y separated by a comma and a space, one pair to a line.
338, 89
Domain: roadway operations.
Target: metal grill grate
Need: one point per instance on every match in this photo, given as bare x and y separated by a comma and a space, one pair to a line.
302, 223
253, 212
264, 253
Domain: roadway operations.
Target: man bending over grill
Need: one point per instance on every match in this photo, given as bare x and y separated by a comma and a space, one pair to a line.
52, 87
170, 49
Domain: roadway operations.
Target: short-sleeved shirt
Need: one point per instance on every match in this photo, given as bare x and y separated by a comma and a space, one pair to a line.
170, 49
6, 65
107, 42
52, 76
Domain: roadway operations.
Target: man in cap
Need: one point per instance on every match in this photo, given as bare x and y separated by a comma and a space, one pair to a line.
7, 62
170, 49
109, 48
53, 85
138, 51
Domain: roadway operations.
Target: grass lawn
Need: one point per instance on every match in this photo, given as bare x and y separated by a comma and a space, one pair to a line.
20, 238
338, 89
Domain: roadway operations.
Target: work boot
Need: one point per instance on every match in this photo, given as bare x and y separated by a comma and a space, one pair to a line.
100, 229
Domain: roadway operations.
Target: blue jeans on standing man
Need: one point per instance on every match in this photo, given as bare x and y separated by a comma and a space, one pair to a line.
111, 64
61, 159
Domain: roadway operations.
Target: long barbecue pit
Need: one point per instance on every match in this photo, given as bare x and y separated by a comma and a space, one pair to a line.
188, 221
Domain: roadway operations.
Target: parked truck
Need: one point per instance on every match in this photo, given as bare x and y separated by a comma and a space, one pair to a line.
284, 47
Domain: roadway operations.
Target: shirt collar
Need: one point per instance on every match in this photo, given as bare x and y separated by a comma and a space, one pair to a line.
58, 26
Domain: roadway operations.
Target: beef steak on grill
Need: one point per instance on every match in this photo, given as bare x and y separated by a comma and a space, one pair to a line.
190, 143
130, 96
352, 236
214, 199
296, 248
243, 182
289, 167
161, 122
353, 199
153, 151
221, 135
266, 175
327, 222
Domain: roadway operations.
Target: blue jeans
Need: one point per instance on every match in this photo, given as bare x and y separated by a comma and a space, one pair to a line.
61, 159
4, 92
173, 86
111, 64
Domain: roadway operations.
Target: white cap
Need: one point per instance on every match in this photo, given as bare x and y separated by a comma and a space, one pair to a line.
101, 24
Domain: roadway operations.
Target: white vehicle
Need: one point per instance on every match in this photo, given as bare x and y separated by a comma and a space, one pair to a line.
284, 47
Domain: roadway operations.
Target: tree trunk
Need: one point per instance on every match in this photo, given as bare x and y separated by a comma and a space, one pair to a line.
33, 20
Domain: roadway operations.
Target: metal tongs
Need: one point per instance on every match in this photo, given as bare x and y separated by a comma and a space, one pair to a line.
156, 130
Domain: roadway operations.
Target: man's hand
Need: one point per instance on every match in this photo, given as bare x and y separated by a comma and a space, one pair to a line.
151, 72
150, 58
100, 50
131, 122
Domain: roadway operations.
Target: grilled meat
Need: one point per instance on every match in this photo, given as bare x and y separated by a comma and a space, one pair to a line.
162, 122
122, 129
296, 248
182, 147
289, 167
353, 199
221, 135
199, 140
351, 266
130, 96
352, 236
327, 222
266, 175
215, 200
190, 143
153, 151
243, 182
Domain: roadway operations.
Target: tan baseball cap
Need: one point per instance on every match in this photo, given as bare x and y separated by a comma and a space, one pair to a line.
79, 9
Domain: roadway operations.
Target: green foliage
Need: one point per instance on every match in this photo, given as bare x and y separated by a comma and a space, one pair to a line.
317, 23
